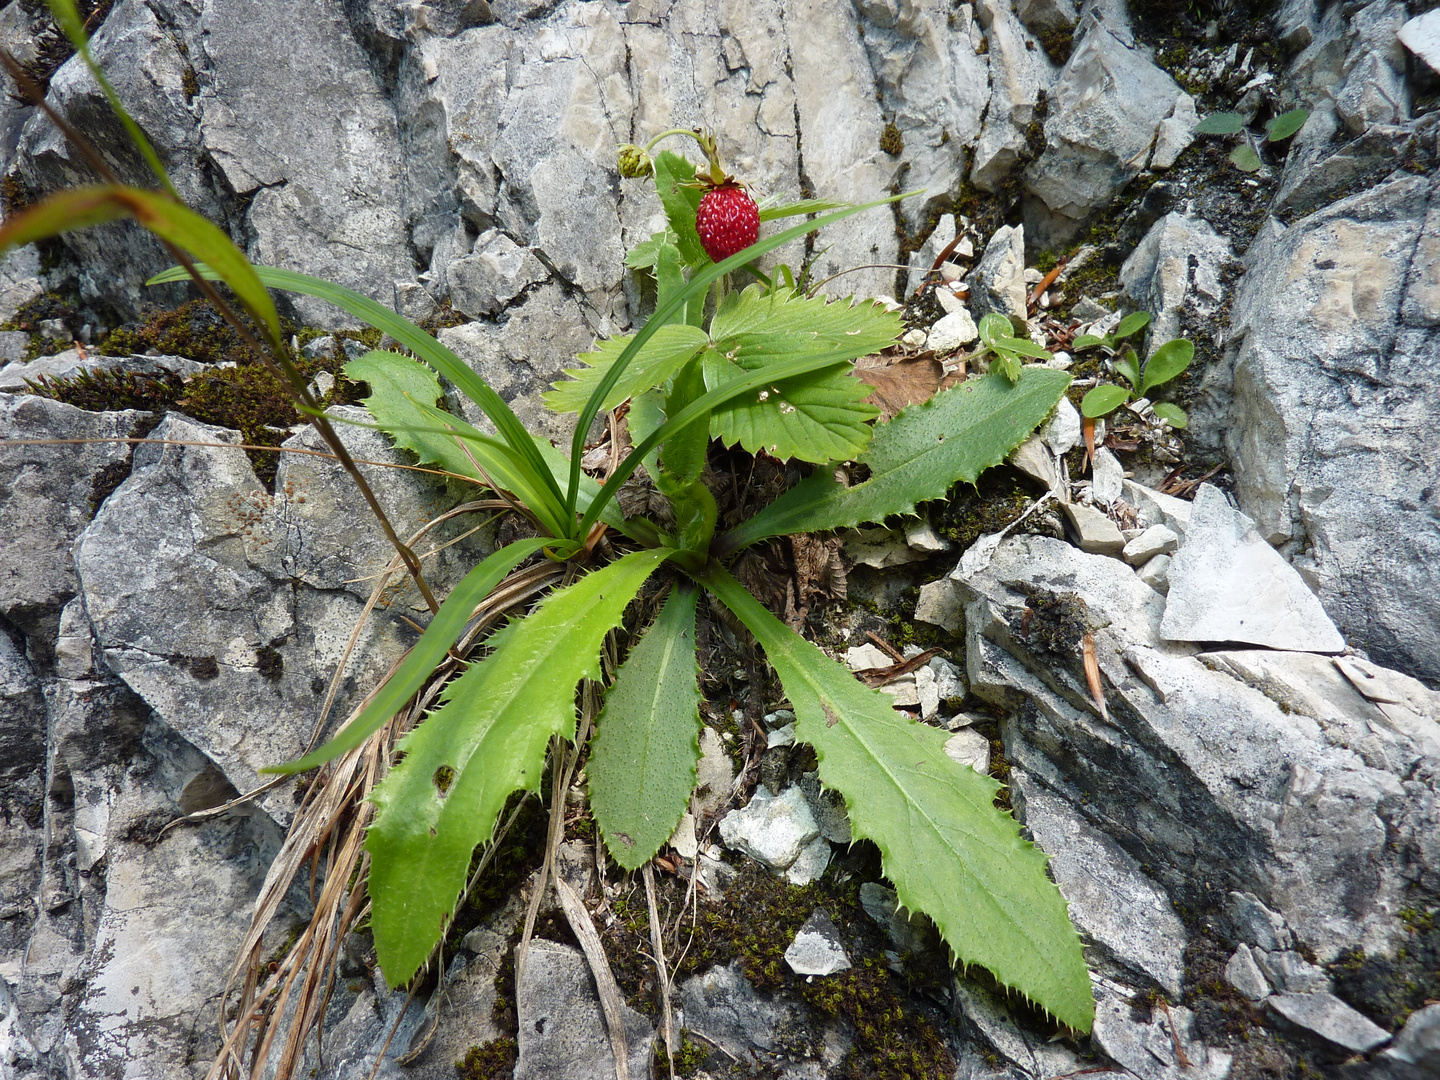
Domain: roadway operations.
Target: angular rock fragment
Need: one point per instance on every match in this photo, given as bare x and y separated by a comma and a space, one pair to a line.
1331, 1019
817, 948
1227, 584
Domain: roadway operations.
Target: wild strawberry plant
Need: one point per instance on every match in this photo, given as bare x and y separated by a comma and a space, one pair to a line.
764, 367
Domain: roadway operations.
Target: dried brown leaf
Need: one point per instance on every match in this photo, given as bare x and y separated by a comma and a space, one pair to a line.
1092, 675
901, 384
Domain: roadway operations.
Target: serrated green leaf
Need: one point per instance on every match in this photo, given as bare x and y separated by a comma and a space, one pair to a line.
444, 630
1132, 323
795, 324
659, 359
487, 740
397, 384
1086, 341
644, 255
1244, 158
993, 327
1171, 414
675, 184
1168, 361
404, 392
642, 759
1286, 124
917, 456
818, 417
949, 852
1221, 123
1103, 400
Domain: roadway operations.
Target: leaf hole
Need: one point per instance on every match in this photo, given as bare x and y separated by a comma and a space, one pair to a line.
443, 778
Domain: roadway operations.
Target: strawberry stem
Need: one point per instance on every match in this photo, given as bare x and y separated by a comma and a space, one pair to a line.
707, 144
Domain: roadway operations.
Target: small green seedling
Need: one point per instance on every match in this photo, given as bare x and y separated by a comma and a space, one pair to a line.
1246, 156
998, 340
1168, 361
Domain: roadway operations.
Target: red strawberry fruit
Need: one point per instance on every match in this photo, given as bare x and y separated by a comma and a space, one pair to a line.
727, 221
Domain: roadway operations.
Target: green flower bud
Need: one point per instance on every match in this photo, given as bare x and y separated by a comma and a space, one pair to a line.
634, 161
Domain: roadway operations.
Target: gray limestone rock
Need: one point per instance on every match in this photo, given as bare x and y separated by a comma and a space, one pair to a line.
562, 1029
523, 355
1416, 1050
1250, 768
1156, 540
1255, 923
1175, 272
828, 808
1111, 900
70, 363
1097, 533
1148, 1050
840, 126
1245, 975
817, 948
232, 636
723, 1007
1175, 133
47, 496
1421, 35
1031, 1052
998, 281
1375, 90
1048, 16
773, 829
1331, 407
498, 271
1227, 584
326, 197
1331, 1019
909, 933
1291, 973
145, 59
934, 84
1108, 103
1019, 73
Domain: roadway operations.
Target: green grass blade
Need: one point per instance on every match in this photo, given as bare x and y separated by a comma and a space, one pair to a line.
949, 852
487, 740
647, 741
795, 209
422, 344
73, 208
916, 456
80, 207
443, 631
67, 17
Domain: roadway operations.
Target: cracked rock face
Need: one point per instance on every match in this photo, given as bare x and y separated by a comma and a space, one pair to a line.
168, 627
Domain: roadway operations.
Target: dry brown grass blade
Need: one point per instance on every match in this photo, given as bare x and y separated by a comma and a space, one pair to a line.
611, 1002
662, 973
